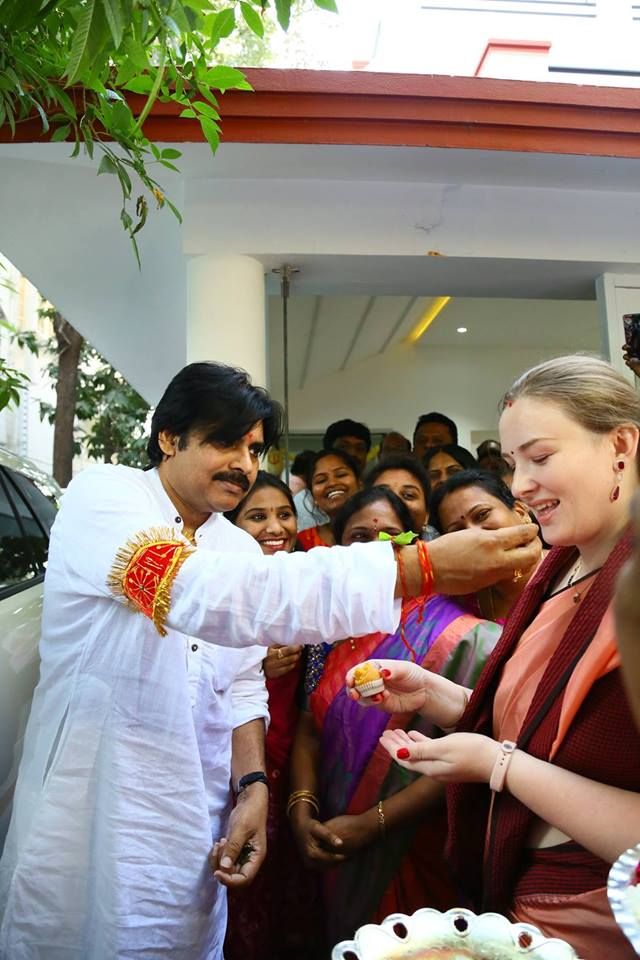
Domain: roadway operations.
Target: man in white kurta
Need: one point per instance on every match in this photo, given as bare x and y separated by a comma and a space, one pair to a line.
124, 783
149, 672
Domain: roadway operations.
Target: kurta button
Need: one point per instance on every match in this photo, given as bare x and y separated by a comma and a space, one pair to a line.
275, 774
178, 520
194, 647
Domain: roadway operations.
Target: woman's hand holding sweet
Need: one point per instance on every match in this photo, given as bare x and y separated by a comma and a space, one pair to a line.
319, 846
406, 687
280, 661
456, 758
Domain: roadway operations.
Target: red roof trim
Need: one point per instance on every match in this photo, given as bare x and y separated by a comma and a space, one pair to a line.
330, 107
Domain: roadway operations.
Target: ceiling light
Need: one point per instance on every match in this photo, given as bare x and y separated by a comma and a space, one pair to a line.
436, 307
461, 329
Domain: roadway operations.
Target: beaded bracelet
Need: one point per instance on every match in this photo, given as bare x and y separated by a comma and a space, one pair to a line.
382, 824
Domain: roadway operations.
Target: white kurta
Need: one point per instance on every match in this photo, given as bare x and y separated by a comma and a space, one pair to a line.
124, 782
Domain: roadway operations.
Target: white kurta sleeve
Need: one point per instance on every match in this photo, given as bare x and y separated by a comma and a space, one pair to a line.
320, 596
249, 695
227, 598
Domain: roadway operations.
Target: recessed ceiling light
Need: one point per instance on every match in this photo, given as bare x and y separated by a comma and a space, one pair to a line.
461, 329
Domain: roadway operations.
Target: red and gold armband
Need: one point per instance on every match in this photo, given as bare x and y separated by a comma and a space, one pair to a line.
144, 570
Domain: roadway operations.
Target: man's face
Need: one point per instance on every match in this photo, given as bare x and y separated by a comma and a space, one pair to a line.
428, 435
210, 477
354, 446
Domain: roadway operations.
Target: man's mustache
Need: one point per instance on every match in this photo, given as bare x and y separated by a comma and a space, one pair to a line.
233, 477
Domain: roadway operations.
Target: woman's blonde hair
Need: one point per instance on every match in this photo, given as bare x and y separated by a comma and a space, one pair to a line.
586, 388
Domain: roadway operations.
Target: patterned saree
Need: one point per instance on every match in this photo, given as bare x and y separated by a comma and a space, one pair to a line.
405, 869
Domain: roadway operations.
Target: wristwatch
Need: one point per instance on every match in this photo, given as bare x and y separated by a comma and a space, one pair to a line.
257, 776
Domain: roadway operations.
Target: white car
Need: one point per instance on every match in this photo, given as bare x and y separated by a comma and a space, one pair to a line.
28, 504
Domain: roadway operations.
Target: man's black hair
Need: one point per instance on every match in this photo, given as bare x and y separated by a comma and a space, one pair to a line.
399, 462
489, 448
301, 462
489, 482
263, 479
346, 428
216, 399
364, 498
435, 417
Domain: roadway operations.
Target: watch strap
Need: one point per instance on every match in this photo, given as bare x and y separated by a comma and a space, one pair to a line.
500, 767
256, 776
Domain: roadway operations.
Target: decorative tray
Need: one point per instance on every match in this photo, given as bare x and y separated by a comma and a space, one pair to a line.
624, 894
455, 935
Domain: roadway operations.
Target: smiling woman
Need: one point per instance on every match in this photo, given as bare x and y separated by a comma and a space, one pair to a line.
283, 905
545, 738
332, 478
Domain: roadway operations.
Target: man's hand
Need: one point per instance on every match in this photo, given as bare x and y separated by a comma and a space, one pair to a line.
467, 560
236, 858
456, 758
280, 661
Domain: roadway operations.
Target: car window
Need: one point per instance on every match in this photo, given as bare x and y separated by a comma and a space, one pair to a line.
29, 490
24, 541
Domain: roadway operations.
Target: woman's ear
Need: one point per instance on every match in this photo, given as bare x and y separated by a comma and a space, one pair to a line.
625, 441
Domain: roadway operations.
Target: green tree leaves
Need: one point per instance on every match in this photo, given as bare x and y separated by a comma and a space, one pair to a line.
78, 65
80, 42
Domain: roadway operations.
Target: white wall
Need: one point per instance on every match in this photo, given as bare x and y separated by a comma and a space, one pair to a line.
390, 391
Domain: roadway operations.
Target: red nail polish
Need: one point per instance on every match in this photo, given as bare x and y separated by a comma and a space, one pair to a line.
402, 753
385, 673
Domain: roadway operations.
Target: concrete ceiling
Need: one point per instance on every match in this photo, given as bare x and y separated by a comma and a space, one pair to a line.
436, 276
328, 334
269, 161
359, 222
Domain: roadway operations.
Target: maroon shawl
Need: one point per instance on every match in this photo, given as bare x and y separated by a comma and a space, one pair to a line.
604, 757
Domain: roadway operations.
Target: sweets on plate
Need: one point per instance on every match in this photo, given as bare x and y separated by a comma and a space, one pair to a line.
368, 680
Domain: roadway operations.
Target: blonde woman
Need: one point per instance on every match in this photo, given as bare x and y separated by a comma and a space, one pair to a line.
543, 767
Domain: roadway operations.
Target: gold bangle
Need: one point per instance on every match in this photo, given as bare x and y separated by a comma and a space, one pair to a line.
310, 800
302, 793
381, 819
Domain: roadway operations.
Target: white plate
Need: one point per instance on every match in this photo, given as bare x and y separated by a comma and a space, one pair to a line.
454, 935
620, 877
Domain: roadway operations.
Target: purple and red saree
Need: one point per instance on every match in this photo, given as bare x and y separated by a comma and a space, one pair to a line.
405, 869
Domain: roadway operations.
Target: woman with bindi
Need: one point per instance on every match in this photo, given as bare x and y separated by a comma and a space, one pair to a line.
542, 795
376, 831
283, 907
477, 498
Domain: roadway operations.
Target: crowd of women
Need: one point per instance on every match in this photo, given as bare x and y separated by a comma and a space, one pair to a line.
499, 769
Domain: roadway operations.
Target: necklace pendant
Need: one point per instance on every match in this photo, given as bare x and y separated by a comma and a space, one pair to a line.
577, 597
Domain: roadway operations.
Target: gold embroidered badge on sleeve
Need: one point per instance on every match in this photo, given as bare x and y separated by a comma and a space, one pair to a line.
144, 570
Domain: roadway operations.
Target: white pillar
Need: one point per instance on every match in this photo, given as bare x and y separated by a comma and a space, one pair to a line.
617, 294
226, 313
